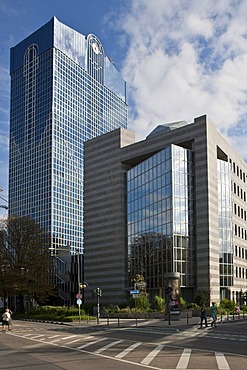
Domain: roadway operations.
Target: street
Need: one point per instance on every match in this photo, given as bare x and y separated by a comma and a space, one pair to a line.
34, 345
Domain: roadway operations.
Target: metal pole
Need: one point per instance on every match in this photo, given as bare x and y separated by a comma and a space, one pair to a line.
135, 286
78, 281
98, 309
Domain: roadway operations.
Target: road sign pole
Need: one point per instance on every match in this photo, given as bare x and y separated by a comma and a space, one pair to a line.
97, 308
79, 302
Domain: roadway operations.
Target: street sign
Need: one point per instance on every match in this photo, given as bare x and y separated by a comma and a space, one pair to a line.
79, 302
79, 296
135, 291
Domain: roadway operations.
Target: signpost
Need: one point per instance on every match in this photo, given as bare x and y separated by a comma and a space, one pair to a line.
135, 293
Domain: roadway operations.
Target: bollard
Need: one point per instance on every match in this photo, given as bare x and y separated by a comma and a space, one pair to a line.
187, 317
118, 322
227, 316
108, 320
233, 317
221, 317
87, 319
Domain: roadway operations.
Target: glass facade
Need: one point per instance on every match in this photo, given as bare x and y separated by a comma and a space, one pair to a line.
60, 97
160, 218
225, 225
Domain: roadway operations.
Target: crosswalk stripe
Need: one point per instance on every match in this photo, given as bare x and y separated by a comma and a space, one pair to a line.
108, 346
91, 343
152, 354
38, 336
128, 350
70, 336
74, 341
184, 359
63, 338
221, 361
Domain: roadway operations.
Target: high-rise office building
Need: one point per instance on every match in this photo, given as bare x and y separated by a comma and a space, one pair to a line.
171, 209
64, 91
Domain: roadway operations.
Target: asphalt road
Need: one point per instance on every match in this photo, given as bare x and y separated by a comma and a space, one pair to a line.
33, 345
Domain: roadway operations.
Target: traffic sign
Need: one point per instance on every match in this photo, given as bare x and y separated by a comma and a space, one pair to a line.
135, 291
79, 296
79, 302
135, 296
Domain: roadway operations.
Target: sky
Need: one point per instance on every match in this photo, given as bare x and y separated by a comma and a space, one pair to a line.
181, 59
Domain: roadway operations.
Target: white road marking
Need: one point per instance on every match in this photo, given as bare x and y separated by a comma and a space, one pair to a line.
36, 345
184, 359
63, 338
128, 350
152, 355
38, 336
221, 361
91, 343
70, 336
74, 341
108, 346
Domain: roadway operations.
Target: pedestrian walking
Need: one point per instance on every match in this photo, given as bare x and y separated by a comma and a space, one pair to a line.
6, 320
203, 317
214, 311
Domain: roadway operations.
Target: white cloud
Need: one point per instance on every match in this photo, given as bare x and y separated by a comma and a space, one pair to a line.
185, 59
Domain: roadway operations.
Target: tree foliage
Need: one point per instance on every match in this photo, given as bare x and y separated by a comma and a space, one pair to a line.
25, 266
202, 298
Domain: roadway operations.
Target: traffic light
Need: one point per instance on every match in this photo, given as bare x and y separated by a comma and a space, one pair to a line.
98, 292
245, 296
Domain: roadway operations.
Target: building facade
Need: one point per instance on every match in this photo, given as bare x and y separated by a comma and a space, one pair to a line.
64, 91
172, 205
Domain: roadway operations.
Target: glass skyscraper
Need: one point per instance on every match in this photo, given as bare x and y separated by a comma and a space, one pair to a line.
64, 91
160, 218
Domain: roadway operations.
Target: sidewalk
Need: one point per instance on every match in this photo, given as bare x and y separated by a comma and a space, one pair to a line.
182, 324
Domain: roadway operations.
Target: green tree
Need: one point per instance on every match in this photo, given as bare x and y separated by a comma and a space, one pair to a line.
25, 260
202, 298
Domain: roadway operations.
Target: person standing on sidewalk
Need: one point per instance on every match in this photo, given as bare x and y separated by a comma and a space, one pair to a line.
6, 320
214, 311
203, 316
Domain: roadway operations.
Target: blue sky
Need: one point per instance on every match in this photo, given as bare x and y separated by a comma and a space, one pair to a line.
180, 58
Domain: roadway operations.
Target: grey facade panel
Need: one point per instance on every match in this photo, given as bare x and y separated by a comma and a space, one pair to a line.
106, 166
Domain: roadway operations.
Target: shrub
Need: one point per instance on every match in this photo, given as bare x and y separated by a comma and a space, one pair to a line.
141, 303
183, 304
159, 303
227, 305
